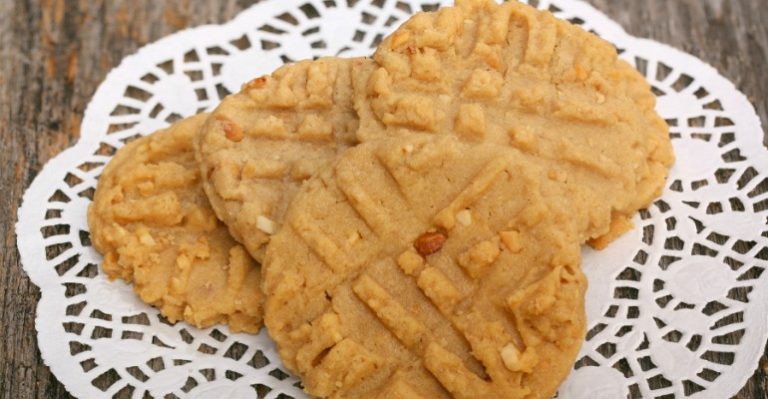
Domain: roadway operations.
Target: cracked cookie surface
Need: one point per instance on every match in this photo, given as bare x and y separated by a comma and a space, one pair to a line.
511, 74
152, 222
423, 267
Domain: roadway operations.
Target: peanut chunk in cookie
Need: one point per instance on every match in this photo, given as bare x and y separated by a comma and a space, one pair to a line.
429, 243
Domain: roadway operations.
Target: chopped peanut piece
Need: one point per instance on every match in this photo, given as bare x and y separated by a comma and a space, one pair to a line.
266, 225
429, 243
464, 217
256, 83
232, 131
514, 360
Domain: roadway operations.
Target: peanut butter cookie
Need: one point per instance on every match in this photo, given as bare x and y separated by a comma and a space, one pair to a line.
423, 267
153, 224
260, 144
510, 74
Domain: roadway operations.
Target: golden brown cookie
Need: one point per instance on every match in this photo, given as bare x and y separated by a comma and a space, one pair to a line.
510, 74
153, 224
260, 144
423, 267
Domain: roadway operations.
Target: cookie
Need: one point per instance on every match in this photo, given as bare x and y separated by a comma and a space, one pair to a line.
152, 222
513, 75
261, 143
423, 267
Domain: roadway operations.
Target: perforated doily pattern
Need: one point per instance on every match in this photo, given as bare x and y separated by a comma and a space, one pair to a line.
677, 307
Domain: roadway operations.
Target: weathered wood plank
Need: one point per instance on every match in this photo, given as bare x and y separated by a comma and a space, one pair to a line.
54, 53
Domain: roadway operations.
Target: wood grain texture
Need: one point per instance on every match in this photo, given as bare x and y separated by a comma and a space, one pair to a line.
54, 54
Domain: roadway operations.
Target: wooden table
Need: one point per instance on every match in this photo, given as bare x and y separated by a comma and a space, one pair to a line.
54, 54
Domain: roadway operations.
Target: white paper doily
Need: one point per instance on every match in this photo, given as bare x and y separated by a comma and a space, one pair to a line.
664, 301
